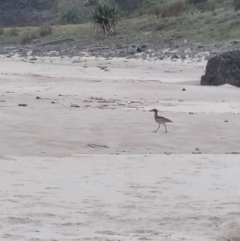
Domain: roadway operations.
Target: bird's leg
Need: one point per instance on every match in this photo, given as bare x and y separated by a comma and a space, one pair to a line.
165, 128
157, 128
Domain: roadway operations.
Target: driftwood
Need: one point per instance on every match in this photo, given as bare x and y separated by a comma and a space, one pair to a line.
200, 45
95, 146
57, 41
234, 41
98, 48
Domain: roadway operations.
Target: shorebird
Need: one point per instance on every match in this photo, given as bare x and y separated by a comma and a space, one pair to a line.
160, 120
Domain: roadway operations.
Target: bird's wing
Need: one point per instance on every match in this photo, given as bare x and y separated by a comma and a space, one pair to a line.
166, 119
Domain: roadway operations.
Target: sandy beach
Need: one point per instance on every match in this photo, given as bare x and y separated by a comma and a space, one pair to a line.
79, 159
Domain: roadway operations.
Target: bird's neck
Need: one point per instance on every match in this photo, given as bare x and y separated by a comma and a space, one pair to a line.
155, 114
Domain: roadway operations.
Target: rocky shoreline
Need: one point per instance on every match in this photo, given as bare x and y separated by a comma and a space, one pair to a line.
68, 47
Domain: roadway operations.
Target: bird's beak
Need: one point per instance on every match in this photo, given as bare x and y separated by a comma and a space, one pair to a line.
151, 111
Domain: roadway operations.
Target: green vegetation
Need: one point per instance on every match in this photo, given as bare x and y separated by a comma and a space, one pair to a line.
106, 16
13, 31
70, 15
152, 21
1, 30
45, 31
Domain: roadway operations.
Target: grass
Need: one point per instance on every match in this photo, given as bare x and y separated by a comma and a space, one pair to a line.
45, 34
196, 23
45, 31
1, 30
13, 31
27, 38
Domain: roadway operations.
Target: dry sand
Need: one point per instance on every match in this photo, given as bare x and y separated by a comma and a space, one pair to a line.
96, 171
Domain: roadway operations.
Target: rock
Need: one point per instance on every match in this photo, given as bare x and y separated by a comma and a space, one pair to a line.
122, 53
223, 69
175, 56
234, 41
74, 106
36, 41
132, 49
76, 61
144, 47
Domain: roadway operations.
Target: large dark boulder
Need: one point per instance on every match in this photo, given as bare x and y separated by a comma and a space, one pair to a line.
223, 69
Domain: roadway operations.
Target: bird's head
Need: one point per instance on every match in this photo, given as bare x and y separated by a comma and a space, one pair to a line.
154, 110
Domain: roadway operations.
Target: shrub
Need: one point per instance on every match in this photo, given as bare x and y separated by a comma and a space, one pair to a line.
160, 27
1, 30
45, 30
106, 16
70, 15
13, 32
206, 6
28, 38
156, 11
173, 10
129, 5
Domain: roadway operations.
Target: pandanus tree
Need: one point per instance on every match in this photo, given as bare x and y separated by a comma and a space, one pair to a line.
106, 17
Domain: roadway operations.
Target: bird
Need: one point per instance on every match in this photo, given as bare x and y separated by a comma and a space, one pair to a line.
160, 120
